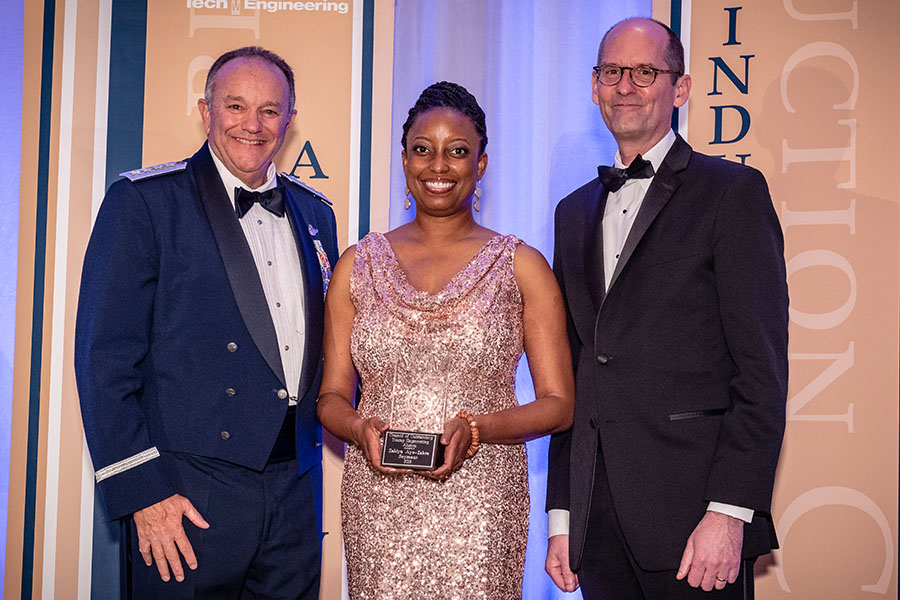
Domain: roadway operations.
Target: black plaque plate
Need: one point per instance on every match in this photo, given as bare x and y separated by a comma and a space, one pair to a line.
412, 450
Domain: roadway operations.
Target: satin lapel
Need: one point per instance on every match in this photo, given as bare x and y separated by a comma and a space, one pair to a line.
663, 187
593, 245
237, 258
314, 301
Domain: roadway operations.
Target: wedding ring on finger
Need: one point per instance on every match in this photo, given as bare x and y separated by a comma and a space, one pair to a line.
721, 580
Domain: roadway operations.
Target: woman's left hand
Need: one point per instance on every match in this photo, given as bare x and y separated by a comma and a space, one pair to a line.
456, 439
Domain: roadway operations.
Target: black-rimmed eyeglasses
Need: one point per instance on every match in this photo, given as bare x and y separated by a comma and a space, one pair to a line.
641, 75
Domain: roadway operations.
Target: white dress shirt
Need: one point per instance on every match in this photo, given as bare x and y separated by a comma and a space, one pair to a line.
274, 249
622, 207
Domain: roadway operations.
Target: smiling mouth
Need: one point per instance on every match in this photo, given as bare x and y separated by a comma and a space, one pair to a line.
249, 142
439, 186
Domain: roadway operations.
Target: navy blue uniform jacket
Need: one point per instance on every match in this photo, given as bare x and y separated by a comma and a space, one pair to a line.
175, 349
681, 367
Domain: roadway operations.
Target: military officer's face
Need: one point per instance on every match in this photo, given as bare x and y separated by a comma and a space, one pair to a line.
247, 117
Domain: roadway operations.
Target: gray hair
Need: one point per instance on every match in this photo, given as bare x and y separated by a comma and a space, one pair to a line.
249, 52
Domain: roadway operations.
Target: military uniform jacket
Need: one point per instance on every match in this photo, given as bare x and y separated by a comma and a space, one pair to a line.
175, 349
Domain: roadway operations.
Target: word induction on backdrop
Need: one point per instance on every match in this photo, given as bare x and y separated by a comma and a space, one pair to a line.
720, 65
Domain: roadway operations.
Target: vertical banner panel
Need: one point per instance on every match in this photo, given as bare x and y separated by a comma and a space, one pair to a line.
383, 144
59, 546
11, 71
35, 136
11, 65
801, 90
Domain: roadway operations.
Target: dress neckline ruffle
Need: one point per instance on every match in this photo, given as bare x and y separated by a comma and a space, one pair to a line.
378, 247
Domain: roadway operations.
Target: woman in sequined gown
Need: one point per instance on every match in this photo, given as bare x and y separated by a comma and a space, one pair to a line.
434, 317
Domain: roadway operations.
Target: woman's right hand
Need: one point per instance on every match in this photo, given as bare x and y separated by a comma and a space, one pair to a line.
367, 436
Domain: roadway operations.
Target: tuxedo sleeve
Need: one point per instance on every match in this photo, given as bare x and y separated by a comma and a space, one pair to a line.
748, 257
112, 359
558, 459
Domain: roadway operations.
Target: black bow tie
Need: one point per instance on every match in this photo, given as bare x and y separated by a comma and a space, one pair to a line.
613, 179
271, 200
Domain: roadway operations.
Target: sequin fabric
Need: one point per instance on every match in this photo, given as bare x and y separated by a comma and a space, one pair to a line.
421, 359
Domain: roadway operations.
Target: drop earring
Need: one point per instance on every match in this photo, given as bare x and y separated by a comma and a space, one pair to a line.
476, 204
406, 202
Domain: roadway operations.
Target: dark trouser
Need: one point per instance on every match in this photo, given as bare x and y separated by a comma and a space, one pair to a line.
264, 539
608, 569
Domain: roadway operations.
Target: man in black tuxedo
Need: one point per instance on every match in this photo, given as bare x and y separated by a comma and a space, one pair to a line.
198, 352
672, 268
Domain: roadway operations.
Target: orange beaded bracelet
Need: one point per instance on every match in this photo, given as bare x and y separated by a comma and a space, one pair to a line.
473, 427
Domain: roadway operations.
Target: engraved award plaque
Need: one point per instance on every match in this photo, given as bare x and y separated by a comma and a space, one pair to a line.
418, 403
412, 450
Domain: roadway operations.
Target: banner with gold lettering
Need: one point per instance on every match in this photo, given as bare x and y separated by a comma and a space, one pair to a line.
799, 90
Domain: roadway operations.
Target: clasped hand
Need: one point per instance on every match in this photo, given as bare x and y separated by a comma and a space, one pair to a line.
161, 535
456, 437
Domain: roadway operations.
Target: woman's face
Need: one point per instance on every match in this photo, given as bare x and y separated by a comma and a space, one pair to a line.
441, 161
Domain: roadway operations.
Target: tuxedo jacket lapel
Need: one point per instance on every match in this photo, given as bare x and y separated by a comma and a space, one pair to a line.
237, 258
314, 302
593, 247
664, 184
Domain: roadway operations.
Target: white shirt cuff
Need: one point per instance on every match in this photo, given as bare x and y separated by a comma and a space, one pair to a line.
738, 512
557, 522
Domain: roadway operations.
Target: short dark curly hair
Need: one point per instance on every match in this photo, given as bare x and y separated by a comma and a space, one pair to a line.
446, 94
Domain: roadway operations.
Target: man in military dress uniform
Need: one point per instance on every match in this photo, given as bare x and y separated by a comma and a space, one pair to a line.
198, 352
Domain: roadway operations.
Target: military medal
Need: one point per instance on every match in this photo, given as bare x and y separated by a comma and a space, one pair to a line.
324, 265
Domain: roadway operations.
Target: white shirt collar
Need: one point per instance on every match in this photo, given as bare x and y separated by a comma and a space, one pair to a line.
655, 155
231, 181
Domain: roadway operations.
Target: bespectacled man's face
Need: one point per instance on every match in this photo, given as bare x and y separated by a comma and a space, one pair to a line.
639, 116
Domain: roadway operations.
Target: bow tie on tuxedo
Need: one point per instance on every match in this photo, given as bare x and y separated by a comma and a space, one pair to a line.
271, 200
613, 179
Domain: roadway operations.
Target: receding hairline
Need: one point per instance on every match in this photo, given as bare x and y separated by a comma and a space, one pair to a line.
662, 27
231, 59
236, 62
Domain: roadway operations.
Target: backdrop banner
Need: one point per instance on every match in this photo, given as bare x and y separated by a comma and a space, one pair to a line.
800, 90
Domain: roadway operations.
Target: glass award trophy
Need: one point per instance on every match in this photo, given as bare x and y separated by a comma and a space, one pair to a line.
419, 405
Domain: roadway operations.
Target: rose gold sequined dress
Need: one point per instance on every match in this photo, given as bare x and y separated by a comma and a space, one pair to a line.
421, 359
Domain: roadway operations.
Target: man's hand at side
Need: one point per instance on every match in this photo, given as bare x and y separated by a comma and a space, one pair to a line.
161, 535
712, 557
557, 564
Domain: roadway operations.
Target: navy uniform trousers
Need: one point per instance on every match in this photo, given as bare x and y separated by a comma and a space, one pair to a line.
262, 525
